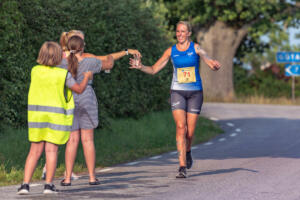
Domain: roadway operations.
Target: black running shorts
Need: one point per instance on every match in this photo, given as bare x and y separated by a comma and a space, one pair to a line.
189, 101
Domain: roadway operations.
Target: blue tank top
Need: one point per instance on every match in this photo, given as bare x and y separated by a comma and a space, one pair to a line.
186, 73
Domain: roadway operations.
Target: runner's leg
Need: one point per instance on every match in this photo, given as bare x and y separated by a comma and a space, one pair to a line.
192, 119
194, 105
180, 121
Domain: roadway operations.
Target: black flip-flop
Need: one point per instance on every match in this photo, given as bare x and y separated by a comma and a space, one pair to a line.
62, 183
96, 182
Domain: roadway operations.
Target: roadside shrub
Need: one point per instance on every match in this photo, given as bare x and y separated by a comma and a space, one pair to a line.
262, 83
109, 26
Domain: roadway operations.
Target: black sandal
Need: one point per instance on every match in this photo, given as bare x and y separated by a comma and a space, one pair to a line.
96, 182
62, 183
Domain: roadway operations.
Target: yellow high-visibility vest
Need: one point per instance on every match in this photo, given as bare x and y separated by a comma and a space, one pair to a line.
50, 105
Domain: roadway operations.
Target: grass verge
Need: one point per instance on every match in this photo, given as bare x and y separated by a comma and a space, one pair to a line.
125, 140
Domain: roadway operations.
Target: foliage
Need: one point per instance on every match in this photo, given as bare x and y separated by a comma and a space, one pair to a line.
263, 16
264, 53
265, 49
263, 83
255, 17
236, 13
13, 78
110, 26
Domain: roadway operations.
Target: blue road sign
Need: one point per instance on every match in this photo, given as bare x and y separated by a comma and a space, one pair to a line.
292, 70
285, 57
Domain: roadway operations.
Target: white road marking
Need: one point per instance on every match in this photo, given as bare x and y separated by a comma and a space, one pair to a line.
233, 134
173, 153
193, 148
155, 157
132, 163
238, 130
208, 143
222, 139
105, 170
230, 124
214, 119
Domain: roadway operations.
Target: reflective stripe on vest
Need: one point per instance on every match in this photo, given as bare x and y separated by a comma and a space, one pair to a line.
50, 113
50, 109
49, 125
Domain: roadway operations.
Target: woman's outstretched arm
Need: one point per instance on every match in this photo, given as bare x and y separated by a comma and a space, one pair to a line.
116, 55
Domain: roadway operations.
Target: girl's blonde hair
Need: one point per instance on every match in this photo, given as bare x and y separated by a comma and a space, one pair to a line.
50, 54
65, 36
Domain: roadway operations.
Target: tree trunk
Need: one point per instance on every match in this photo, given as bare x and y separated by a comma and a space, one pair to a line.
220, 42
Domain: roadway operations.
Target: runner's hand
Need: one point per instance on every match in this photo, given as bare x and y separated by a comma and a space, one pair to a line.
214, 65
135, 63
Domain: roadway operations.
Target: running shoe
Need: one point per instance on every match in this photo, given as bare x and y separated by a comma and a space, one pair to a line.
189, 160
24, 189
50, 189
181, 172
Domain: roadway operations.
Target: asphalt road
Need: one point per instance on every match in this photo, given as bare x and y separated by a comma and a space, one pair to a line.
257, 158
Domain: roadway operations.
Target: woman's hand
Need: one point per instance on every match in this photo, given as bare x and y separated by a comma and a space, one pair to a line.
79, 88
88, 74
134, 52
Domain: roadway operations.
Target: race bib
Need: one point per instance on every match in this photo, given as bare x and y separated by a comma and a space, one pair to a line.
186, 75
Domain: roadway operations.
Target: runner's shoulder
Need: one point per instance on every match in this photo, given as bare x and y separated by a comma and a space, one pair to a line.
168, 51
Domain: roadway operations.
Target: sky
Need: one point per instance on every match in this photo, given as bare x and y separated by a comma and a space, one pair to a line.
292, 36
293, 32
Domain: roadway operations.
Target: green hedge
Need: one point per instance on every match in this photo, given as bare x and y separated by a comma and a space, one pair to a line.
109, 26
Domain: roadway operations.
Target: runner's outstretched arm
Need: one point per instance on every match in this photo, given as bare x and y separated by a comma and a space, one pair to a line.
159, 65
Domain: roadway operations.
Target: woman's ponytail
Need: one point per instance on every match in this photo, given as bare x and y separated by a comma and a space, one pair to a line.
75, 46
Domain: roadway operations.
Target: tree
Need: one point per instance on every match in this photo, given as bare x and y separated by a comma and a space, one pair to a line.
221, 26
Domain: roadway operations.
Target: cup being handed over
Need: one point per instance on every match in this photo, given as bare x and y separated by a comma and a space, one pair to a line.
135, 62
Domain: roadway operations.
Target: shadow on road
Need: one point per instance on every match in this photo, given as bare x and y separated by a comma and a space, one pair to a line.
221, 171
